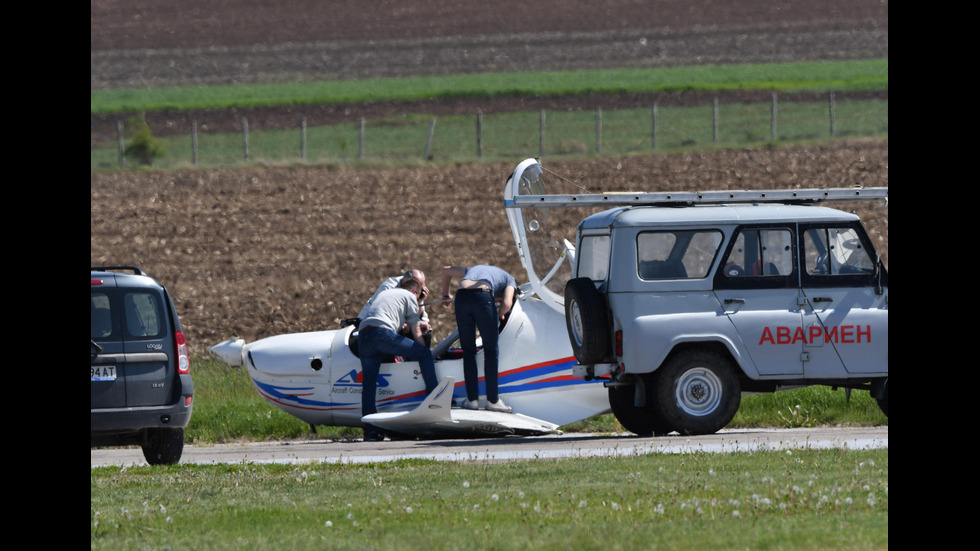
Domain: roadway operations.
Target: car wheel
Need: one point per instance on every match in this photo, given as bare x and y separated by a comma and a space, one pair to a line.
586, 321
163, 446
697, 392
644, 420
883, 400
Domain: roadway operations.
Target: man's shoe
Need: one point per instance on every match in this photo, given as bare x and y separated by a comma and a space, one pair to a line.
500, 406
471, 404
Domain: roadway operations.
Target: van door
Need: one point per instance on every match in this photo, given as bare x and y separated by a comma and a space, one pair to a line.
846, 292
758, 290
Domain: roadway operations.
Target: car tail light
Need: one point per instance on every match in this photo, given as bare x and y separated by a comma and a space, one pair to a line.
183, 362
96, 282
619, 342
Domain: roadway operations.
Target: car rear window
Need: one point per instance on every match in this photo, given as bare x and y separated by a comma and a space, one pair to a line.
143, 315
101, 316
138, 313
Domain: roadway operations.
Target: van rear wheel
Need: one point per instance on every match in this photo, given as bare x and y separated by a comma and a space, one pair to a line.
883, 399
642, 420
697, 392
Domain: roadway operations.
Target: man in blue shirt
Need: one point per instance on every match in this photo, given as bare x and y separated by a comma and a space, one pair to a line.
476, 308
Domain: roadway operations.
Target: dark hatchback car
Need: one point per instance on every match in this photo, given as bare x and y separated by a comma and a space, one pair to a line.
142, 391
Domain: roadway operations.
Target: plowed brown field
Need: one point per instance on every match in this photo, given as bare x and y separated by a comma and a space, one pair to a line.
262, 251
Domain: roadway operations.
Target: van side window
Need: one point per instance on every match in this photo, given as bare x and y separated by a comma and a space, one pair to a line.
760, 253
831, 251
676, 254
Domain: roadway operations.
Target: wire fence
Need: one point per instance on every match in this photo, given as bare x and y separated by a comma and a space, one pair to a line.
505, 136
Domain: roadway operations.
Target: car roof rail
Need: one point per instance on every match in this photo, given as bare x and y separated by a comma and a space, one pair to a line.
133, 269
688, 198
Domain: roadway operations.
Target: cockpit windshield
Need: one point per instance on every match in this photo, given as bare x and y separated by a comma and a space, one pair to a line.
545, 236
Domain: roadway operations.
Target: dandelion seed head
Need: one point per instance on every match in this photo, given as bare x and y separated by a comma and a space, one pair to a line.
736, 514
582, 504
169, 520
466, 484
495, 497
408, 510
328, 524
520, 495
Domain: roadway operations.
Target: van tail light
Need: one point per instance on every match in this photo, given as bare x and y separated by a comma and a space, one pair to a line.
183, 362
619, 342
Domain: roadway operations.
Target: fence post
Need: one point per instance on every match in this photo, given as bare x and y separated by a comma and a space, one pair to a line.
831, 114
428, 140
245, 137
122, 144
194, 141
302, 141
360, 141
598, 129
714, 120
772, 118
653, 132
479, 134
541, 128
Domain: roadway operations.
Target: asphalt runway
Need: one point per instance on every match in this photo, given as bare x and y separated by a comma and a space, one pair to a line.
509, 448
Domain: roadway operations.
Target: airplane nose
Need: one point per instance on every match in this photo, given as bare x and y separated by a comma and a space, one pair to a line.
229, 351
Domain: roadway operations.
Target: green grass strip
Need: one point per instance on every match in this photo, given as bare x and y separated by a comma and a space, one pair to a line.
785, 77
802, 499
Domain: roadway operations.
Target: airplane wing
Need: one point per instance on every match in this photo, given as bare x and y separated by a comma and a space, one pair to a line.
436, 418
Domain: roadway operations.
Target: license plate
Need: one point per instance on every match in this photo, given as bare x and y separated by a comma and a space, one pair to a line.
103, 373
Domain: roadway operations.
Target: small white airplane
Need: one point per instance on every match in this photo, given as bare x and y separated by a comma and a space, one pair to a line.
316, 376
